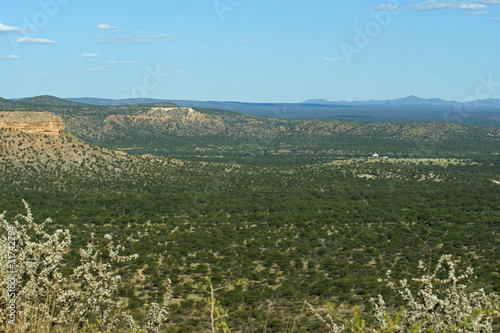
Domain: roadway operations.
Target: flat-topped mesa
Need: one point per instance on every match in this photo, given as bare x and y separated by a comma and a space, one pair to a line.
31, 122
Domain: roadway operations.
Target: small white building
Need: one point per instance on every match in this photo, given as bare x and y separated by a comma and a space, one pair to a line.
375, 155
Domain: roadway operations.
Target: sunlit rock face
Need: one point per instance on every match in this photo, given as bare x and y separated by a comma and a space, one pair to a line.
31, 122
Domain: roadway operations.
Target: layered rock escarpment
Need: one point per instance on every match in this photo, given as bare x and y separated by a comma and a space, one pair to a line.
159, 121
31, 122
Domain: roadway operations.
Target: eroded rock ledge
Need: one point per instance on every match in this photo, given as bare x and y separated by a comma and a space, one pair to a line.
31, 122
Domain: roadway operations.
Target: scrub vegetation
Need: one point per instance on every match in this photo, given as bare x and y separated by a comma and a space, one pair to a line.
236, 232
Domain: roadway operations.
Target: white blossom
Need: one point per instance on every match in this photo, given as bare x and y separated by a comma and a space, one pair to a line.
42, 292
440, 304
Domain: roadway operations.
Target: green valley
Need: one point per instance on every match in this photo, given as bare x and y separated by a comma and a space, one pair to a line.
299, 209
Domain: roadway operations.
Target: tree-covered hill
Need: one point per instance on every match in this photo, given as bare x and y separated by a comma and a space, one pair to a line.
47, 100
169, 130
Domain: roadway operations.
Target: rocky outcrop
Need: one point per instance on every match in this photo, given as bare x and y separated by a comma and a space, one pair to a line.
158, 121
31, 122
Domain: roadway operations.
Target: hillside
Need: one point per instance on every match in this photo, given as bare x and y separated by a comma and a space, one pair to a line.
226, 136
40, 154
220, 135
185, 122
47, 100
111, 122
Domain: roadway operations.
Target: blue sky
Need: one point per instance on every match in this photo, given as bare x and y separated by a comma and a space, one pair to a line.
250, 50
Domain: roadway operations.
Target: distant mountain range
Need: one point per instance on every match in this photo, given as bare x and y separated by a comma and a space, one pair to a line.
411, 108
410, 100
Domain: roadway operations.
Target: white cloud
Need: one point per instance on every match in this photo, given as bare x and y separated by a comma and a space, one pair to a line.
27, 40
433, 5
126, 39
488, 2
334, 59
12, 56
385, 7
496, 19
122, 62
89, 55
96, 69
110, 28
140, 37
132, 39
157, 36
106, 26
47, 74
480, 12
5, 29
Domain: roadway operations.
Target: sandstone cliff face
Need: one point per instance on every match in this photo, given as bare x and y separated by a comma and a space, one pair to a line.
31, 122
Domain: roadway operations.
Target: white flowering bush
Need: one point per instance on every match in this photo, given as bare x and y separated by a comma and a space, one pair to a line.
30, 262
37, 298
438, 301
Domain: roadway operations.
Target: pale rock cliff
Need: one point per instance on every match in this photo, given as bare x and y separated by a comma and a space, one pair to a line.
31, 122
